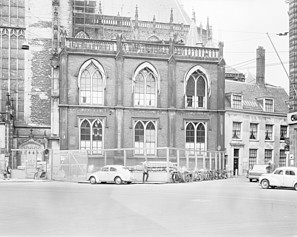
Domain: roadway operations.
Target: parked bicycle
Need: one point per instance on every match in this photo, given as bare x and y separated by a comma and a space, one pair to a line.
6, 172
40, 173
181, 176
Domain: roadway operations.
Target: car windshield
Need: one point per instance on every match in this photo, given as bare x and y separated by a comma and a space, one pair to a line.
278, 172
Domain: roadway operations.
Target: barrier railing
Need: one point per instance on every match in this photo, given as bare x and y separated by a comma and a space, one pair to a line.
74, 165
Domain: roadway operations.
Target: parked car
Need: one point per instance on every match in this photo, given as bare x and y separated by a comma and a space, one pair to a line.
281, 177
257, 171
111, 174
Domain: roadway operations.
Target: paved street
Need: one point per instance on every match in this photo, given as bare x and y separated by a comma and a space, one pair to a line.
232, 207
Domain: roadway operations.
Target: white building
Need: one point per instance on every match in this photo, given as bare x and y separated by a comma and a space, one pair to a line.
255, 122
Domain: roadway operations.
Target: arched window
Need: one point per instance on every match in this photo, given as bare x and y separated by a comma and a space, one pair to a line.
195, 137
153, 38
145, 137
85, 135
91, 83
82, 35
91, 135
196, 89
145, 85
97, 136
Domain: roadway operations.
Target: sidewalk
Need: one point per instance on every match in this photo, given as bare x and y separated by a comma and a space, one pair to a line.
22, 180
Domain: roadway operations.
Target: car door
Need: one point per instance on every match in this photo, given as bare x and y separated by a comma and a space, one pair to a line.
113, 172
289, 178
103, 174
278, 177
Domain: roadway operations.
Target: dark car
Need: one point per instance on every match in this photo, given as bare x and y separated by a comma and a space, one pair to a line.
257, 171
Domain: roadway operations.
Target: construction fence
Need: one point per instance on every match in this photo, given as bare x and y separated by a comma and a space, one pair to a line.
75, 165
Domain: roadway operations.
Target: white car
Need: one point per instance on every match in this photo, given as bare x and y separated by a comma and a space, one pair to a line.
281, 177
111, 174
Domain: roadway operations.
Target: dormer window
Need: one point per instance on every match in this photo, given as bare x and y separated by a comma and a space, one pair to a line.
269, 105
236, 101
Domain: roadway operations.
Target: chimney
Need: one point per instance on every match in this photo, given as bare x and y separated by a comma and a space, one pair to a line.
260, 71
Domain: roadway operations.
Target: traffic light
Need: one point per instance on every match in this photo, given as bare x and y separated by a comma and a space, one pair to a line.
46, 154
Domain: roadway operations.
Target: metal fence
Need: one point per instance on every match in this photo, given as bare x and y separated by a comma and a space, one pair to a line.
74, 165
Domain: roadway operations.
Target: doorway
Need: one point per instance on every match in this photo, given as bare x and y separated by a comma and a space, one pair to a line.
235, 161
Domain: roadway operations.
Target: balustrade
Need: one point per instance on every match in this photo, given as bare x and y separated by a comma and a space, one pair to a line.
85, 44
133, 47
196, 52
142, 48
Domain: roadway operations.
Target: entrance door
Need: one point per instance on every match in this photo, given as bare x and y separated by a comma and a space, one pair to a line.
235, 161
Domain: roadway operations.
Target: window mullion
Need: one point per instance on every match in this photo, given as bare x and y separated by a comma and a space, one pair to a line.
195, 94
91, 89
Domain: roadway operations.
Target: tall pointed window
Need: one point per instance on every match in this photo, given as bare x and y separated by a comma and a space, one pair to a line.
196, 90
91, 135
91, 83
145, 88
85, 135
145, 139
195, 137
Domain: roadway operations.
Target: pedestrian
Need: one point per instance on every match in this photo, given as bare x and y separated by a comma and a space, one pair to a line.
145, 174
8, 171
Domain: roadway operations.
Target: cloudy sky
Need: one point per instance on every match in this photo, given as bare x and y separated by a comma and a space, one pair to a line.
243, 26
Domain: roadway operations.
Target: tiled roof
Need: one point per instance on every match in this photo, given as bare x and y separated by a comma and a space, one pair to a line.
251, 94
147, 9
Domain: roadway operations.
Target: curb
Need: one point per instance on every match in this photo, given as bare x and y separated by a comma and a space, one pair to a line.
22, 181
87, 182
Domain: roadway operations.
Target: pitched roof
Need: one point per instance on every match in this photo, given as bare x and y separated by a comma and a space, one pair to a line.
252, 94
147, 9
193, 37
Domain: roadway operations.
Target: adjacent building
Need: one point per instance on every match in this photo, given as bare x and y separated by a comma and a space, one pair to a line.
25, 77
292, 116
255, 122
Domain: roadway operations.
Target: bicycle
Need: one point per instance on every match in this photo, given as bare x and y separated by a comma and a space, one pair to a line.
40, 173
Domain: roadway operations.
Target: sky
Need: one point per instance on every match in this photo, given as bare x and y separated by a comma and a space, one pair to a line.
243, 26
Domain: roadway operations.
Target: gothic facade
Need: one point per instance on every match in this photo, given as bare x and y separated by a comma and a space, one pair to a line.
94, 79
127, 83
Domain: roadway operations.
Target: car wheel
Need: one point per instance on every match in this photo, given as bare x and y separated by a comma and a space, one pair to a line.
265, 184
251, 180
93, 180
295, 186
118, 180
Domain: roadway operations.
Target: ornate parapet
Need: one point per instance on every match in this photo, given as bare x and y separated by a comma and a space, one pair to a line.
140, 47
